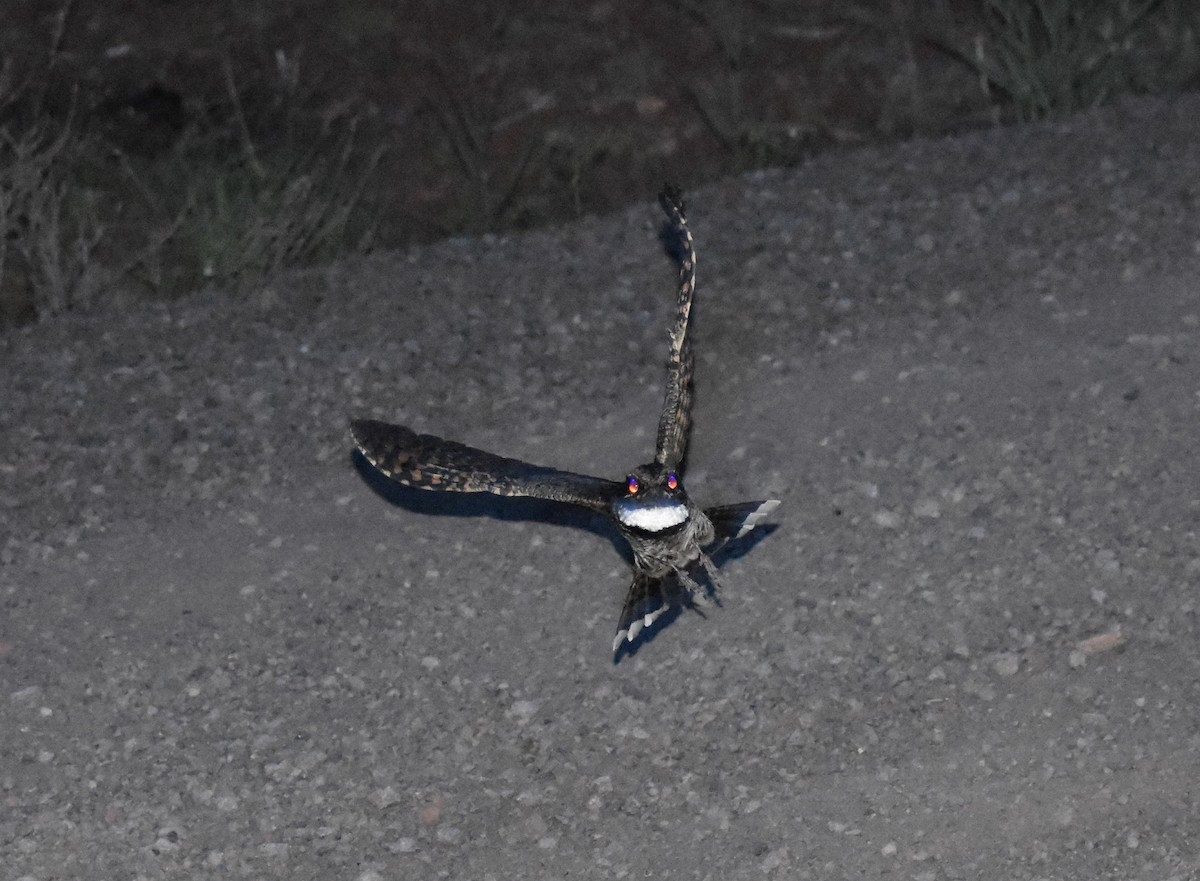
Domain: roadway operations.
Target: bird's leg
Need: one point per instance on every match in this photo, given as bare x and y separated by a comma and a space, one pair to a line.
710, 569
696, 591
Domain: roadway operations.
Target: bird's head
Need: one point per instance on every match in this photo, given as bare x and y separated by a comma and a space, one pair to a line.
653, 502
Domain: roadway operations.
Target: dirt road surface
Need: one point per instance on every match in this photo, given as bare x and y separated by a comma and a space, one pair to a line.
969, 650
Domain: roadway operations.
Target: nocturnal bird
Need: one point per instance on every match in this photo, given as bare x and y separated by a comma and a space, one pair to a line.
670, 535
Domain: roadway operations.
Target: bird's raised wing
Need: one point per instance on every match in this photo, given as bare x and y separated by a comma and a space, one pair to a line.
676, 420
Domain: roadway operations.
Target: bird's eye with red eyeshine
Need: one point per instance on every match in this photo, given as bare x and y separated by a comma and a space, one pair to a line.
672, 481
634, 485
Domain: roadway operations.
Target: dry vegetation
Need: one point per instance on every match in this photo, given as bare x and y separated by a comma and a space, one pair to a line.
152, 153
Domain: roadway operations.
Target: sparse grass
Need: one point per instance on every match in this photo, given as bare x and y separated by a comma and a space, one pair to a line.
470, 122
730, 104
202, 218
1045, 58
81, 217
281, 204
502, 116
50, 226
246, 221
479, 113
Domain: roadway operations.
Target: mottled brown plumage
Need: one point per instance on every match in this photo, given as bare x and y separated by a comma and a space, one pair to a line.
675, 423
667, 532
428, 462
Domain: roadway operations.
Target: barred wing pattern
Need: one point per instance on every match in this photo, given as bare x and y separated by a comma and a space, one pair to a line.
670, 536
433, 463
676, 419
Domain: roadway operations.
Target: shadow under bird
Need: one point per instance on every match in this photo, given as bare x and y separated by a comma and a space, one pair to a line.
670, 535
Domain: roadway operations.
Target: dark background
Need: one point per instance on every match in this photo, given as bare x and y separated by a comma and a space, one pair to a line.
198, 142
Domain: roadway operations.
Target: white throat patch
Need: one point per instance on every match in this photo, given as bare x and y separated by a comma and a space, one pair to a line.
651, 516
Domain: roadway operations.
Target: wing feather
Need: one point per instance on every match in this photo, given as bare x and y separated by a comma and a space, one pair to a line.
433, 463
731, 522
676, 420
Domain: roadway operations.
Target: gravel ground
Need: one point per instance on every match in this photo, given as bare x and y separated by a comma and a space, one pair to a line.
967, 366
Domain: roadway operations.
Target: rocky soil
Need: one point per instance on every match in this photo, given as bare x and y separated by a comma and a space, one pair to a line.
969, 650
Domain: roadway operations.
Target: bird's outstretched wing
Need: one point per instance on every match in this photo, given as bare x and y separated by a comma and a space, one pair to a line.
433, 463
676, 419
731, 522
